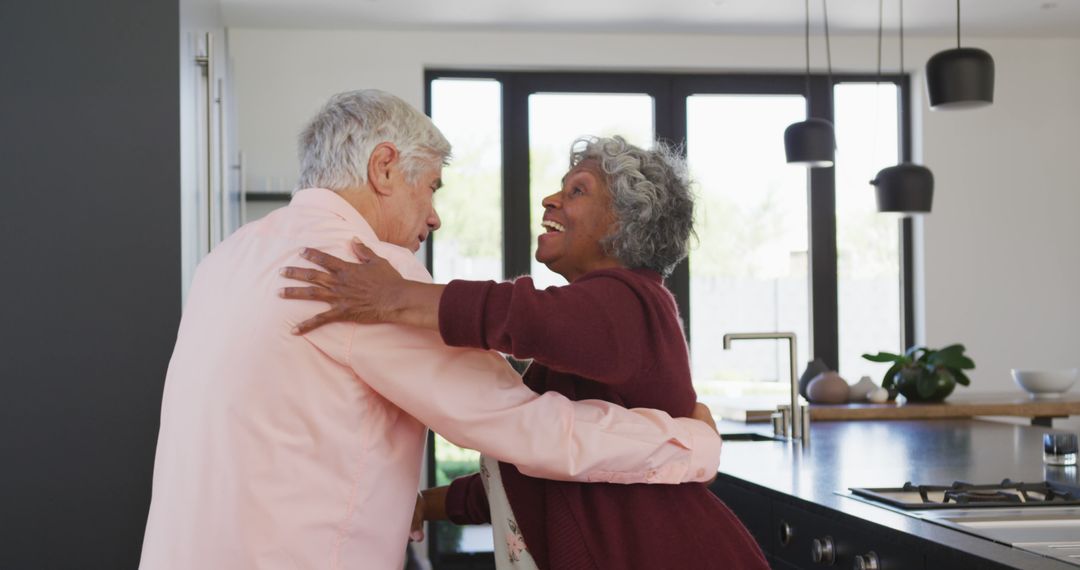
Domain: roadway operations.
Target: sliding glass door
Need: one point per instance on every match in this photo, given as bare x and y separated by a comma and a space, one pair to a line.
750, 269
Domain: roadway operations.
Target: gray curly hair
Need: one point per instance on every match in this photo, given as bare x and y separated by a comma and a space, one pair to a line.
336, 145
651, 200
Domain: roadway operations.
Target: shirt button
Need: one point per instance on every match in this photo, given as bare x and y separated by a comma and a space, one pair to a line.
651, 475
701, 473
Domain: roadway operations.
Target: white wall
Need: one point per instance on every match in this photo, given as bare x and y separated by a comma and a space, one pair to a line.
1002, 247
1000, 257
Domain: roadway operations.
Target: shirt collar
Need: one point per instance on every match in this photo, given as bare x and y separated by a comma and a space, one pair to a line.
329, 200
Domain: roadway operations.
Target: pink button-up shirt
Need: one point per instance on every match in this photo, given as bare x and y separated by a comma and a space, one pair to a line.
278, 451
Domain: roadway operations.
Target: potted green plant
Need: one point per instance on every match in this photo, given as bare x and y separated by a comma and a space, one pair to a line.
925, 375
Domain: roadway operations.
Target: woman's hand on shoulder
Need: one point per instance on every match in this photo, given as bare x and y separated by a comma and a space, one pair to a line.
364, 292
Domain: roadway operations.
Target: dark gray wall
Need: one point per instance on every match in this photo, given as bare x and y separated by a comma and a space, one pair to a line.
90, 278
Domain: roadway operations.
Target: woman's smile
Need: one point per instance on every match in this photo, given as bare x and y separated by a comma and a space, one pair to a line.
553, 226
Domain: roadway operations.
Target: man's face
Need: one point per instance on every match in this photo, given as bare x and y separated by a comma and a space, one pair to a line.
410, 212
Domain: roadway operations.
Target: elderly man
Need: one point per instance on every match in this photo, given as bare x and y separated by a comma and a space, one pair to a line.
286, 451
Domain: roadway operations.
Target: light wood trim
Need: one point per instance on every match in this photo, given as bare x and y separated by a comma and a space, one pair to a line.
956, 406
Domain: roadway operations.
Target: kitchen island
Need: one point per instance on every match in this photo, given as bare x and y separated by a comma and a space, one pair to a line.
789, 494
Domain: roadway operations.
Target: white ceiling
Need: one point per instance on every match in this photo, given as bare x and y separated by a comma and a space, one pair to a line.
1011, 18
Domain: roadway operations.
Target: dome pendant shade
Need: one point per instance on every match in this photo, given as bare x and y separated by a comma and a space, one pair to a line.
960, 78
907, 188
810, 142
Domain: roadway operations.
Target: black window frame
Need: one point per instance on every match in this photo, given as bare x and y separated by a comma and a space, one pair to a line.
669, 92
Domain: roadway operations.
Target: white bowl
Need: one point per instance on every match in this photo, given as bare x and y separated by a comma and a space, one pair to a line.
1045, 383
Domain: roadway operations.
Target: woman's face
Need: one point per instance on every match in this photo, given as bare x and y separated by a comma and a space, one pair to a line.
576, 218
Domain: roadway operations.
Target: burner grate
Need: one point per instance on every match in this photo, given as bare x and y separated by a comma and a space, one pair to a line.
962, 497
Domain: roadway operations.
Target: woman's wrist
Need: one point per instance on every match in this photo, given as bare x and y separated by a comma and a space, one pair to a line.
416, 304
434, 501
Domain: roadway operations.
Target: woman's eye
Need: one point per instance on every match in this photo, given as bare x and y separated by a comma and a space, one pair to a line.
576, 190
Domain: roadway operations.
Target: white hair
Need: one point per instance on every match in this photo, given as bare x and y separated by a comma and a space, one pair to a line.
337, 144
650, 197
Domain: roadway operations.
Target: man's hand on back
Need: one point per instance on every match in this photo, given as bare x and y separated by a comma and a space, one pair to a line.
702, 413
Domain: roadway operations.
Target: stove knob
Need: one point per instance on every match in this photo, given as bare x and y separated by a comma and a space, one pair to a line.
785, 533
868, 561
822, 551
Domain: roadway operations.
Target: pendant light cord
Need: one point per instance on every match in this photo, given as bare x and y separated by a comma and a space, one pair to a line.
903, 104
828, 50
807, 38
880, 10
957, 24
877, 85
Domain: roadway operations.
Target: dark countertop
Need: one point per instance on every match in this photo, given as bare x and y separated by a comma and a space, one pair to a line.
889, 453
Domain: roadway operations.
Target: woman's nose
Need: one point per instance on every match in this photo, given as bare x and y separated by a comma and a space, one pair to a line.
550, 201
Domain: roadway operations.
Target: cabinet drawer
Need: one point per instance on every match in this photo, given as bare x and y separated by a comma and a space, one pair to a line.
795, 530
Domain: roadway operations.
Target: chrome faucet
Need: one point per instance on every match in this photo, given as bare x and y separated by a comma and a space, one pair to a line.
796, 410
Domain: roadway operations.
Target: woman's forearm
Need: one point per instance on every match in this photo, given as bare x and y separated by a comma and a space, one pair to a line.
417, 304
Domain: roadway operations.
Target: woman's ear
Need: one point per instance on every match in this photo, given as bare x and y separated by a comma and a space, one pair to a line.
381, 165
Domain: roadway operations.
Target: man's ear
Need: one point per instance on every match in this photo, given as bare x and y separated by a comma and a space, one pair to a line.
381, 165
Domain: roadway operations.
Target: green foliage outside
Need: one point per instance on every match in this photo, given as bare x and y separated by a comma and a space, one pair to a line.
451, 462
470, 204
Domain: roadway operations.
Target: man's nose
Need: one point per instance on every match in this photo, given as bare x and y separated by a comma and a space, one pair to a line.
434, 222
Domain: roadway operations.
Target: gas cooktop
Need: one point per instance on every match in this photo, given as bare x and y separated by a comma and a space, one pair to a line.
1043, 517
966, 495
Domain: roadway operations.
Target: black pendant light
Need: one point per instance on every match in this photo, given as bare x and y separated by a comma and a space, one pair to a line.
960, 78
906, 188
812, 142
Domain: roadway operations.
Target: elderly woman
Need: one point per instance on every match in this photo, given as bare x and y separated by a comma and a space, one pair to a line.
619, 224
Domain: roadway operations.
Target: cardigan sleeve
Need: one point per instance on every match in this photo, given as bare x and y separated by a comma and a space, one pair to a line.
594, 327
466, 501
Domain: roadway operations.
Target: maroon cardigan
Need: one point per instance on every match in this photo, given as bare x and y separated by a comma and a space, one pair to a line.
612, 335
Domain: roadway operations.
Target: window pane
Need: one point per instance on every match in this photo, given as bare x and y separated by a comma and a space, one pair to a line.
452, 462
867, 242
555, 121
469, 243
749, 269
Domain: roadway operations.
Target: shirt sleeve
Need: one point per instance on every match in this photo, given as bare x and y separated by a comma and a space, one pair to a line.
476, 400
467, 502
594, 328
